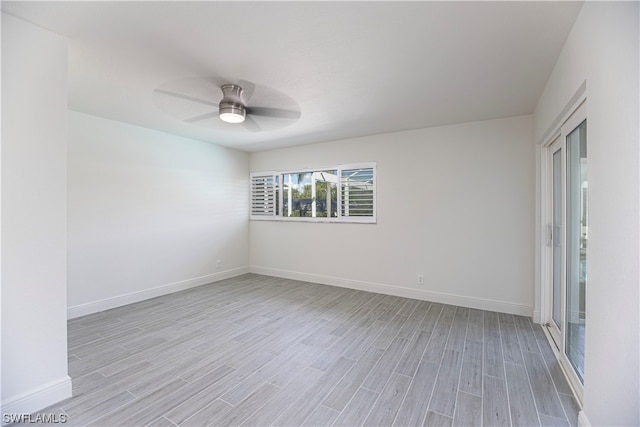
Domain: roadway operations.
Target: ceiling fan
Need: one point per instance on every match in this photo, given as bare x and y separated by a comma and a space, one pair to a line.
234, 106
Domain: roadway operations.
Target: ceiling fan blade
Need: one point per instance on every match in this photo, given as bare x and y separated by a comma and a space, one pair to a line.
247, 90
273, 112
201, 117
251, 124
187, 97
218, 81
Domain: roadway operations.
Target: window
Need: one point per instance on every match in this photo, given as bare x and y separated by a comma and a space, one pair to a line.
357, 192
335, 194
262, 196
310, 194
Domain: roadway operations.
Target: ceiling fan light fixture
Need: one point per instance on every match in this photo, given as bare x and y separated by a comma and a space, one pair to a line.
231, 108
232, 113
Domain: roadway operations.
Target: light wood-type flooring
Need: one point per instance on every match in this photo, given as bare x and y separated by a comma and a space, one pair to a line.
258, 351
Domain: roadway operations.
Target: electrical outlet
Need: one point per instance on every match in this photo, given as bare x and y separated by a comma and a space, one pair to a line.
218, 263
420, 279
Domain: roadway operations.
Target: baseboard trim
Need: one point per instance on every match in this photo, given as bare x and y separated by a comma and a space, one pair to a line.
439, 297
537, 318
120, 300
583, 421
37, 398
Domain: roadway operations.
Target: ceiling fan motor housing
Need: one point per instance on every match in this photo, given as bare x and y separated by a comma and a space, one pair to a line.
231, 108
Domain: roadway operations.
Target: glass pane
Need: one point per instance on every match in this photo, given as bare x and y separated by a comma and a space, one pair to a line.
357, 192
577, 235
310, 194
557, 239
262, 202
277, 195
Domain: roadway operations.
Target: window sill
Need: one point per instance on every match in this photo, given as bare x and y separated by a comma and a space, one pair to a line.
364, 220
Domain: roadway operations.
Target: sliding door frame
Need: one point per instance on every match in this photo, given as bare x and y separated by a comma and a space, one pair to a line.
556, 238
573, 117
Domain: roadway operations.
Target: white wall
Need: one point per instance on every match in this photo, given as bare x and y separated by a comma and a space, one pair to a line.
455, 203
603, 51
150, 213
34, 193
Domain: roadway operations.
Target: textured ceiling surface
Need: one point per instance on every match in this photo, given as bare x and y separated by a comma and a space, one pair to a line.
349, 68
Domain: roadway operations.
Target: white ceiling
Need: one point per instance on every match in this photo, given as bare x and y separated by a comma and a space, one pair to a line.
350, 68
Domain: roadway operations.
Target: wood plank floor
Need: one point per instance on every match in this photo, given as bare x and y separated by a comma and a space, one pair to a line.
259, 351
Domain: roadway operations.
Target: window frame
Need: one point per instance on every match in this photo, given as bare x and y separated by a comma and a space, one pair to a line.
278, 195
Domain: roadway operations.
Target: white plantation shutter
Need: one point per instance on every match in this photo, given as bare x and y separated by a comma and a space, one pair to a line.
263, 195
357, 192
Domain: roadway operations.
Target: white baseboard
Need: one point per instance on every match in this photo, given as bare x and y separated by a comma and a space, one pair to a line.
537, 318
583, 421
120, 300
37, 398
439, 297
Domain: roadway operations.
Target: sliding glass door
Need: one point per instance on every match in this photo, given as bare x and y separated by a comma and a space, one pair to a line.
577, 235
557, 240
568, 237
